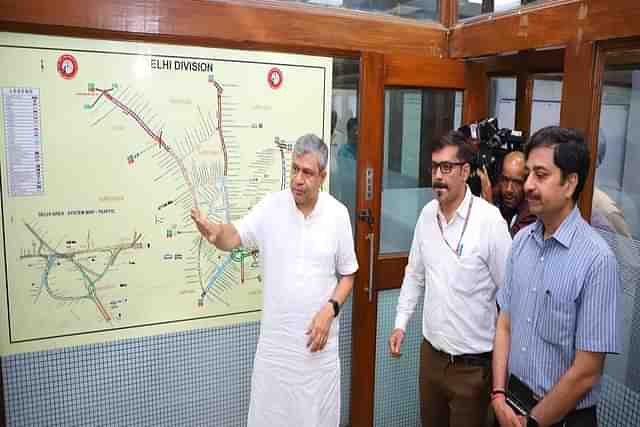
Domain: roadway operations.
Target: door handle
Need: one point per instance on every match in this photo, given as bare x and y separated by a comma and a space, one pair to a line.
371, 238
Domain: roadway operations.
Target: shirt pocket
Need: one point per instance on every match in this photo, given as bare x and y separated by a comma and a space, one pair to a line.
470, 272
556, 319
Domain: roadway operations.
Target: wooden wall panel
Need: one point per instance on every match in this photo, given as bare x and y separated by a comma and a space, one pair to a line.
275, 26
418, 70
389, 269
524, 99
534, 62
577, 85
546, 25
536, 28
448, 12
579, 107
612, 19
476, 93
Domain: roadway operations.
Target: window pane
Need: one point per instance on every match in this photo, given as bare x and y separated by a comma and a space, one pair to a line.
421, 10
343, 152
616, 215
545, 107
471, 8
502, 101
617, 187
414, 118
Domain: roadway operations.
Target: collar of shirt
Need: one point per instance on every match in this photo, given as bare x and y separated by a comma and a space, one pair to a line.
462, 210
564, 234
317, 209
522, 217
523, 209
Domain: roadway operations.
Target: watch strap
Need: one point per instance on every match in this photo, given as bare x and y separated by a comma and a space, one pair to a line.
336, 307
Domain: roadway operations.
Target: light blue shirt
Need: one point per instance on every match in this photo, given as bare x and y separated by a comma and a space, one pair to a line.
561, 296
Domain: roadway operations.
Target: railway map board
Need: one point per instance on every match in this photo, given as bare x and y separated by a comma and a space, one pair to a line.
106, 147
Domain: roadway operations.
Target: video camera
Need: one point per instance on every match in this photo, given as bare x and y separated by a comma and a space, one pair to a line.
492, 145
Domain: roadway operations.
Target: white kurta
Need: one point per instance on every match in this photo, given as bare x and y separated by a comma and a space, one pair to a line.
300, 258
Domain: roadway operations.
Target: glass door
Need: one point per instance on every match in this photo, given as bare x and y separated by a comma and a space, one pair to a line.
406, 104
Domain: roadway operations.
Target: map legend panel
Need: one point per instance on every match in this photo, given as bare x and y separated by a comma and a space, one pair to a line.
23, 140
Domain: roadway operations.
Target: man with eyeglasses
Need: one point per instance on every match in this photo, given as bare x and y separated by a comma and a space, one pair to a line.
457, 259
508, 195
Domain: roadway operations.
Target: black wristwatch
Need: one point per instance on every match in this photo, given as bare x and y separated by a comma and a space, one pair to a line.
531, 421
336, 307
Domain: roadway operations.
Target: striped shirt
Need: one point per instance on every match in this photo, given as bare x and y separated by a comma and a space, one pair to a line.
561, 296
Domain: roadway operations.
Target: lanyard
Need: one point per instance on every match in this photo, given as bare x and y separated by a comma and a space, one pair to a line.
458, 250
514, 219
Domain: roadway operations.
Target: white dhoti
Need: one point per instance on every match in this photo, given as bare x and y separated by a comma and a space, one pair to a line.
300, 258
297, 390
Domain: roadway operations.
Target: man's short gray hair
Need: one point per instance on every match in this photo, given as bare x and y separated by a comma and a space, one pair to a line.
310, 143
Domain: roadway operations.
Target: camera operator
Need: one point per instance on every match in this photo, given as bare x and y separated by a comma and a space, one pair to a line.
508, 194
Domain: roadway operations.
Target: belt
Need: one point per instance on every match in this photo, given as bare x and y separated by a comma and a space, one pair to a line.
477, 359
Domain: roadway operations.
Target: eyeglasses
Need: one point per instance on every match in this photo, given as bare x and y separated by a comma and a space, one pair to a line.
445, 167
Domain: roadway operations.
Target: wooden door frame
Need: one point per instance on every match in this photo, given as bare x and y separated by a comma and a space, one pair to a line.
586, 116
378, 72
363, 349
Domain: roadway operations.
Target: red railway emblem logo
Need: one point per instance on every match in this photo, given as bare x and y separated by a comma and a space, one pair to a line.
67, 66
274, 78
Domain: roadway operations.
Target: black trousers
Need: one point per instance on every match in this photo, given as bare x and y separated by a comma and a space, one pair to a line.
586, 417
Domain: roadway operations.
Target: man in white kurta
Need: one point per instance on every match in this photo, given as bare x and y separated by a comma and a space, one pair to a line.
305, 243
